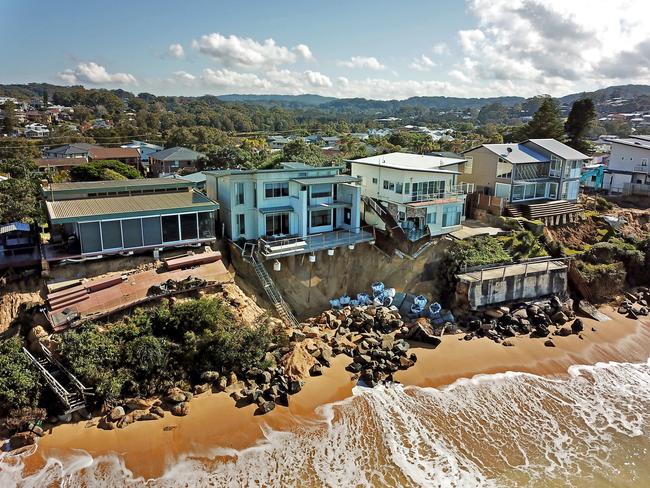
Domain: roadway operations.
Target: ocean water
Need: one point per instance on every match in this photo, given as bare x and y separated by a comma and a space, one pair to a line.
587, 428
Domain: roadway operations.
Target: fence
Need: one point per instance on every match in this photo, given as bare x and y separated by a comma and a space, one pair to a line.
489, 203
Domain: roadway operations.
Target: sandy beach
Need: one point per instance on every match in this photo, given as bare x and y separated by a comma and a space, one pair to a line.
149, 448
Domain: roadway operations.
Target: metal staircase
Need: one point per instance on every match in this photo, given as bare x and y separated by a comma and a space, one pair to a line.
250, 255
70, 391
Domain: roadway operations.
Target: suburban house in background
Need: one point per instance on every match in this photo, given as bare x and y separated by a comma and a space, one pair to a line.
629, 165
292, 210
129, 156
74, 150
418, 193
108, 217
173, 160
537, 179
277, 142
146, 149
36, 130
84, 152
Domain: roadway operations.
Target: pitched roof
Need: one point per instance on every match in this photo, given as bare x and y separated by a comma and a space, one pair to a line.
177, 154
114, 184
149, 204
558, 148
113, 152
410, 162
76, 148
634, 142
516, 153
198, 177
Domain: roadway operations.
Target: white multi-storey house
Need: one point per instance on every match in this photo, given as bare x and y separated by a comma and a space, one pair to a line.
629, 163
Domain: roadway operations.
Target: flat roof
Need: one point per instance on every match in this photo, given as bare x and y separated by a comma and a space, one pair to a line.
516, 269
411, 162
633, 142
115, 184
287, 168
323, 180
558, 148
65, 211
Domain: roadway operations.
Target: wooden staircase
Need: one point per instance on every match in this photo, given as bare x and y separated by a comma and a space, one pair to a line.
536, 211
514, 210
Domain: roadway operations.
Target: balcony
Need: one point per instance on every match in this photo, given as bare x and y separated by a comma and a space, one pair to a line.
449, 195
644, 169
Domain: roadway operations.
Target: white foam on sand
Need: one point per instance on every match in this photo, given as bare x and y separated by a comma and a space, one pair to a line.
508, 429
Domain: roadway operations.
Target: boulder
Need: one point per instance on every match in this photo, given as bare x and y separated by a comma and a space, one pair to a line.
494, 313
22, 439
124, 421
211, 376
36, 333
136, 404
116, 414
202, 388
298, 336
176, 395
563, 332
180, 409
405, 363
576, 326
294, 387
588, 309
222, 384
423, 333
311, 332
106, 424
232, 378
507, 343
158, 411
549, 343
265, 408
559, 318
316, 370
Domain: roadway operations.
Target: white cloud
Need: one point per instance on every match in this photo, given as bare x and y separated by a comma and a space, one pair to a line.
225, 78
184, 76
423, 63
440, 48
176, 51
95, 74
556, 46
244, 52
363, 62
315, 78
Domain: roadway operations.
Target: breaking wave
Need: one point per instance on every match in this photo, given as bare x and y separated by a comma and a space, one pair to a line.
590, 427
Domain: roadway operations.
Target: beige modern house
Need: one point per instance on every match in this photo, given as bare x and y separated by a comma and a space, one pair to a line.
536, 178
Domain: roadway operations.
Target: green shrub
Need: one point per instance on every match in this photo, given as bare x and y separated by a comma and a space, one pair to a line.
20, 384
603, 204
104, 170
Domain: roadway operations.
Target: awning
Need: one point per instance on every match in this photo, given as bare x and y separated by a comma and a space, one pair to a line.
325, 206
13, 227
325, 180
286, 208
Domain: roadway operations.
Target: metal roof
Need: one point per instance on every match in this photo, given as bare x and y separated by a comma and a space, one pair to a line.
411, 162
516, 153
633, 142
115, 184
285, 208
559, 149
176, 154
15, 226
63, 211
324, 180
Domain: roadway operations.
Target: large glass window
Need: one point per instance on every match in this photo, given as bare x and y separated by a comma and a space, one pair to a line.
239, 193
277, 224
206, 225
170, 232
502, 190
151, 231
321, 191
504, 169
90, 237
321, 218
276, 190
518, 192
556, 167
241, 224
112, 234
132, 233
188, 227
451, 215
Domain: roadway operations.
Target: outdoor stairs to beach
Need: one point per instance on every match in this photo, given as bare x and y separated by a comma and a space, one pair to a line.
537, 211
69, 390
271, 290
514, 211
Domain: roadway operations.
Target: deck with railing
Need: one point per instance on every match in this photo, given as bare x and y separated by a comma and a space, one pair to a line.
444, 196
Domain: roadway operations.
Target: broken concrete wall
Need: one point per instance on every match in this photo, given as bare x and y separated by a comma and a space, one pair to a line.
515, 288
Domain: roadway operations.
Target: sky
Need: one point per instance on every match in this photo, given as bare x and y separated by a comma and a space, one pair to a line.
376, 49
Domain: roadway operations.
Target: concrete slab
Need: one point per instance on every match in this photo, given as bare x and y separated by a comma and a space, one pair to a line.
511, 270
473, 228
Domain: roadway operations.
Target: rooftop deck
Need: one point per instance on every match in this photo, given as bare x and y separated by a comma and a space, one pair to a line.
500, 272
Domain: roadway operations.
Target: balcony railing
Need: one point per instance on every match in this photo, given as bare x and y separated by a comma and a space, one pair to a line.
448, 193
642, 169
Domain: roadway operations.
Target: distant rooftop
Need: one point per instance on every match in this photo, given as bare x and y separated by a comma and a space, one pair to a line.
516, 153
558, 148
177, 154
636, 141
115, 184
286, 167
410, 162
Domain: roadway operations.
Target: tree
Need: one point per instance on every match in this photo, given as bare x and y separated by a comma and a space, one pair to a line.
299, 150
581, 118
19, 201
9, 111
494, 112
46, 99
19, 382
546, 123
108, 169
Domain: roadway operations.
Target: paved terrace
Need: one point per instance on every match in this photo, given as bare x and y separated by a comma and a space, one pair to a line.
501, 272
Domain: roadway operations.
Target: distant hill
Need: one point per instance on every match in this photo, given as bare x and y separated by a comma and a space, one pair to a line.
618, 91
306, 100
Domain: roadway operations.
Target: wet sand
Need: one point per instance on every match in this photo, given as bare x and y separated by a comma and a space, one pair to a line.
148, 448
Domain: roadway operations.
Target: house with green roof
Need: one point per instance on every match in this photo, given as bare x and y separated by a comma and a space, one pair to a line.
109, 217
172, 160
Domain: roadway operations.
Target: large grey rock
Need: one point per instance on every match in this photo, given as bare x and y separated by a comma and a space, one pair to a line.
116, 414
180, 409
588, 309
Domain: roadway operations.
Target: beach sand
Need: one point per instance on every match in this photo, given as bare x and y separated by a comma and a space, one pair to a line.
148, 448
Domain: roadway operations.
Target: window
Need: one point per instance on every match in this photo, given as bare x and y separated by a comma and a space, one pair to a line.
132, 233
90, 237
321, 218
644, 162
112, 234
431, 217
385, 184
407, 188
241, 224
347, 216
170, 231
374, 180
502, 190
399, 188
504, 169
468, 166
189, 229
401, 216
321, 191
206, 228
556, 167
277, 224
451, 215
552, 190
276, 190
151, 231
239, 193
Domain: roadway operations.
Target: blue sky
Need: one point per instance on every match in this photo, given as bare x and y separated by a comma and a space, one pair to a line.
379, 49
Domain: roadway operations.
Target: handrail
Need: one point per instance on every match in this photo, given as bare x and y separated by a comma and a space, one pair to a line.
341, 236
541, 259
58, 388
453, 191
80, 386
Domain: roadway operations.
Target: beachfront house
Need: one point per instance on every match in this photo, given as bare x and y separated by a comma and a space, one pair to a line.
294, 209
629, 165
109, 217
537, 178
418, 193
